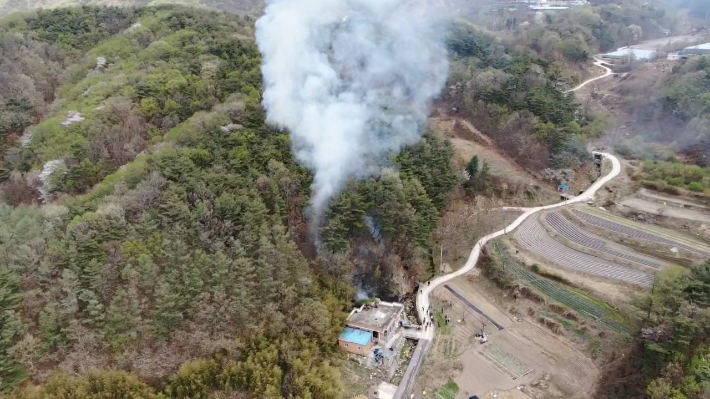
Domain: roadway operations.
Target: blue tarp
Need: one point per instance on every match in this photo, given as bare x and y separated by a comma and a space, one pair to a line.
356, 336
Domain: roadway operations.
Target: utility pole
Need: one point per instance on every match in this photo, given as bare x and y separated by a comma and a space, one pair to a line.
650, 305
441, 259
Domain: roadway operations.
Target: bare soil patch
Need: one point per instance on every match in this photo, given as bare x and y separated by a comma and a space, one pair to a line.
469, 141
522, 353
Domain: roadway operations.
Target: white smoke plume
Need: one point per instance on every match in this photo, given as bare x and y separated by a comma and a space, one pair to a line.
351, 79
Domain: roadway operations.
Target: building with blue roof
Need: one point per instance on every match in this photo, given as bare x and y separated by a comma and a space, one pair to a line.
355, 340
370, 325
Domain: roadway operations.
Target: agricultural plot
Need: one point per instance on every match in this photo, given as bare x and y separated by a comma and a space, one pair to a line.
448, 346
448, 391
581, 303
633, 232
508, 362
575, 234
532, 236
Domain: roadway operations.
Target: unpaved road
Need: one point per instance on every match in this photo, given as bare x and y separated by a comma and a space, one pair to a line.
600, 64
423, 295
422, 300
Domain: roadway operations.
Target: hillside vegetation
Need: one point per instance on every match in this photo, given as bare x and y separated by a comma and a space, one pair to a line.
155, 232
155, 75
671, 355
674, 109
574, 35
175, 250
236, 6
519, 100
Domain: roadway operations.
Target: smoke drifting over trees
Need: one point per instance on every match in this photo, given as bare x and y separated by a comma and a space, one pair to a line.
352, 81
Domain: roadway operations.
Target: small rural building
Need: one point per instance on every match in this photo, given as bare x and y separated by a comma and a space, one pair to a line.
369, 325
627, 53
700, 49
356, 341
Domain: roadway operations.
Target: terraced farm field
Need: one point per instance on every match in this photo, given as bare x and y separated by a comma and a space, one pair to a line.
508, 362
572, 232
576, 300
533, 237
636, 233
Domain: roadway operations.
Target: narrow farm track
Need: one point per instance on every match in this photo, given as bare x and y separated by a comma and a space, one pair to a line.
428, 287
422, 299
533, 237
575, 234
599, 63
633, 232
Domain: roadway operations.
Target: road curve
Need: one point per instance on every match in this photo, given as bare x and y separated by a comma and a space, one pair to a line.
600, 64
428, 287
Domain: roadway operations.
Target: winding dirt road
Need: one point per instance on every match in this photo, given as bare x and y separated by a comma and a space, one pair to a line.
422, 301
428, 287
600, 64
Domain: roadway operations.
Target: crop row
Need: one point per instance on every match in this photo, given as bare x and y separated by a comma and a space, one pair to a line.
534, 237
573, 233
579, 302
633, 232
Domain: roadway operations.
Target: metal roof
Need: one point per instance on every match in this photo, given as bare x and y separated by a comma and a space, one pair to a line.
704, 46
639, 54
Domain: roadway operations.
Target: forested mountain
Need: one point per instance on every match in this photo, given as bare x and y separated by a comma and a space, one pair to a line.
519, 100
155, 233
252, 7
579, 33
673, 109
671, 356
174, 248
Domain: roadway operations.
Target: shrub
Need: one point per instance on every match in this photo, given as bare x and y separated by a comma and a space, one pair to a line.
552, 276
676, 181
696, 186
661, 186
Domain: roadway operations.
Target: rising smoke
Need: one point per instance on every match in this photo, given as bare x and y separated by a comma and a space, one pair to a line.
351, 79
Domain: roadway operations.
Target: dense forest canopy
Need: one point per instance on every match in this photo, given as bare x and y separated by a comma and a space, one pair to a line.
155, 233
671, 359
188, 252
519, 101
251, 7
176, 244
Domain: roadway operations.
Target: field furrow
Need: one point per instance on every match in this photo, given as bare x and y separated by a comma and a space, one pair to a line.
532, 236
575, 234
633, 232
